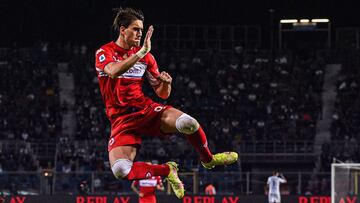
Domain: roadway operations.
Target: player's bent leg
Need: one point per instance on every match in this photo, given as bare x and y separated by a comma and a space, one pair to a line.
186, 124
121, 168
121, 160
168, 120
122, 165
174, 120
174, 180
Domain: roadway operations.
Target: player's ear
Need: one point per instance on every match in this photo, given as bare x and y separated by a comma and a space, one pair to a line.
122, 30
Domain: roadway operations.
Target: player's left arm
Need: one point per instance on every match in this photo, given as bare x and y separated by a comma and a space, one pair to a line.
163, 89
160, 82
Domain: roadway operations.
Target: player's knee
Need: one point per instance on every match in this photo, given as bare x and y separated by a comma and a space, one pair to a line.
121, 168
187, 124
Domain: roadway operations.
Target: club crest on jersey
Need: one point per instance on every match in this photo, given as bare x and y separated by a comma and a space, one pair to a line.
102, 58
148, 175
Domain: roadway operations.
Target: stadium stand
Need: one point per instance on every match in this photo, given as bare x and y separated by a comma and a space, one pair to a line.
262, 102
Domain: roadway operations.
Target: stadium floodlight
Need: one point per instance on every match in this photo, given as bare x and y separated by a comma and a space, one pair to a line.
305, 24
321, 20
304, 20
288, 21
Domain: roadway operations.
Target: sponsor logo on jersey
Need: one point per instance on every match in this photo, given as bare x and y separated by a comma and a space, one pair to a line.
137, 71
102, 58
148, 183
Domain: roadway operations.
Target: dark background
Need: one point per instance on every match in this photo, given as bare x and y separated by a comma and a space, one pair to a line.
90, 20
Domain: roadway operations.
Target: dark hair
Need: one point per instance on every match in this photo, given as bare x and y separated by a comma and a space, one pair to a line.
125, 16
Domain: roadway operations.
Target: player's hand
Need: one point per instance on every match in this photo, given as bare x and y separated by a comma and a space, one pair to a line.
165, 77
147, 40
141, 194
160, 187
147, 43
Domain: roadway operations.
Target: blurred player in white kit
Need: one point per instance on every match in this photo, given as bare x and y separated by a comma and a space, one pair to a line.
273, 183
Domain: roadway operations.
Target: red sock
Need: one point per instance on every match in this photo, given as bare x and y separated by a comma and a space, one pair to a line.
199, 142
142, 170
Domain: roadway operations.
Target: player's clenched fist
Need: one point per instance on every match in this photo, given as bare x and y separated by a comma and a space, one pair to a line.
165, 77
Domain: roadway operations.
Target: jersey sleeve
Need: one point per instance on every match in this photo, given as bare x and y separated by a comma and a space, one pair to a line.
268, 181
103, 57
136, 182
152, 71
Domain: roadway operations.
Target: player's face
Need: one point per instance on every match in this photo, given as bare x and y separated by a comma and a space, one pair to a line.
132, 34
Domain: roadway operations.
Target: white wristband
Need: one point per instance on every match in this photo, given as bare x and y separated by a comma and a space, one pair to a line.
142, 52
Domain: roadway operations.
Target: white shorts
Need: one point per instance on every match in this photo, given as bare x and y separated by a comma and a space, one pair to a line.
274, 198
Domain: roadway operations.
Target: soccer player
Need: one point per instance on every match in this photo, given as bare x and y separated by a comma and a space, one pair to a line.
120, 67
273, 183
147, 188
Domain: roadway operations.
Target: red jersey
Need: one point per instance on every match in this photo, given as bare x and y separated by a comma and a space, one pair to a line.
148, 188
125, 91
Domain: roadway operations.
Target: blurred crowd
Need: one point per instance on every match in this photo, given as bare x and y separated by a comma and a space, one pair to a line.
29, 102
237, 95
345, 125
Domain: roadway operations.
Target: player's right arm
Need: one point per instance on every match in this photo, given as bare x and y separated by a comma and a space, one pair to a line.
115, 69
282, 179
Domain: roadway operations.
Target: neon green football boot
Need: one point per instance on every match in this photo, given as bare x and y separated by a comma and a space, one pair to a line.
174, 180
221, 159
